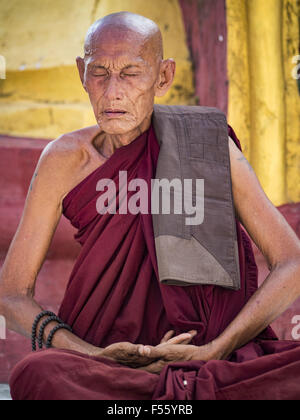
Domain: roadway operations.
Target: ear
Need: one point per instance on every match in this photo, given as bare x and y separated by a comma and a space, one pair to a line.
166, 77
81, 70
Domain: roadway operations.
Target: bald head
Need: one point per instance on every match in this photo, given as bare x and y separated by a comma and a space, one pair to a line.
130, 25
123, 70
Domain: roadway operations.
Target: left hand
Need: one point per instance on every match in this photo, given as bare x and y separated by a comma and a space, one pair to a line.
170, 353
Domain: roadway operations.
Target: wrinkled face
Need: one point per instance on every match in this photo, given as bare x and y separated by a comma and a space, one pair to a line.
120, 75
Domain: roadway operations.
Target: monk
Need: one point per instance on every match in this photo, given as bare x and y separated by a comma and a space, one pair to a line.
132, 337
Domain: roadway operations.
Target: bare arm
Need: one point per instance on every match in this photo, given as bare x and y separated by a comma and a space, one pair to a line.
281, 248
42, 212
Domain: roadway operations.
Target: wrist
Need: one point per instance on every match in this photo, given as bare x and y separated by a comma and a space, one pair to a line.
66, 340
221, 348
209, 351
45, 331
92, 351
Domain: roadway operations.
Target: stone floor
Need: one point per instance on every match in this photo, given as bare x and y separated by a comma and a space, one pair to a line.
4, 392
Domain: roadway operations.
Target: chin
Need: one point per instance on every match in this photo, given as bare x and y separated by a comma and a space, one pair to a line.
117, 127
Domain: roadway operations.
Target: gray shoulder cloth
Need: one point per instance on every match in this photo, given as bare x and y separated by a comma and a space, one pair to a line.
196, 239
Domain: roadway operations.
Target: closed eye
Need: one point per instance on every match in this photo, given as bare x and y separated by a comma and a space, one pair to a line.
100, 74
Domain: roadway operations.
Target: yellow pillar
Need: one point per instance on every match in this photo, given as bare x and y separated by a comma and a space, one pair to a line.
238, 72
290, 26
267, 96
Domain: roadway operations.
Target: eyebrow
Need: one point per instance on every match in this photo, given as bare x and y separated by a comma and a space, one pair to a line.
131, 66
98, 66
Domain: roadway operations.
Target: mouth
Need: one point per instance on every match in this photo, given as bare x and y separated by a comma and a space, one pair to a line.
114, 113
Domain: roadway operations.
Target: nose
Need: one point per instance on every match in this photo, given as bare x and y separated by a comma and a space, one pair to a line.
114, 90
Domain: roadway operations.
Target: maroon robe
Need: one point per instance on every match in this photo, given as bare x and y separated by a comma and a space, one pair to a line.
114, 296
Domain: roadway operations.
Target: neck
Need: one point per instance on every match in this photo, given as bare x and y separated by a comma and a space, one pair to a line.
112, 142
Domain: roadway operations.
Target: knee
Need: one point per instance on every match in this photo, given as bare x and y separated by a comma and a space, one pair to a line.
30, 374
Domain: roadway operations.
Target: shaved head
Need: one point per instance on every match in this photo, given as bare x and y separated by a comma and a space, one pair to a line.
123, 70
126, 24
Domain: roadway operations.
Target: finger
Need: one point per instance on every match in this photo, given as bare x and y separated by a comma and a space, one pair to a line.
141, 350
133, 353
132, 350
186, 341
167, 336
144, 351
137, 350
180, 338
154, 352
128, 354
149, 353
135, 360
192, 333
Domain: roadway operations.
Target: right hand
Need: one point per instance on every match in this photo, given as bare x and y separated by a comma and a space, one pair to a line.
133, 355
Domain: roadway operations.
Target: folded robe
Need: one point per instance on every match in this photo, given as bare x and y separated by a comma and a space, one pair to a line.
201, 249
114, 295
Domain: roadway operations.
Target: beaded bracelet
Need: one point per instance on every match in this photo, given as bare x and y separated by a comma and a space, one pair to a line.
43, 326
55, 329
35, 324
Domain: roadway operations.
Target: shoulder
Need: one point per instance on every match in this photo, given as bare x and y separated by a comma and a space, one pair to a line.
71, 150
64, 160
